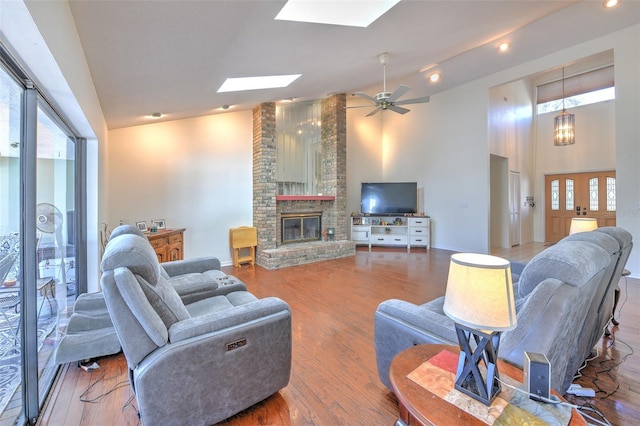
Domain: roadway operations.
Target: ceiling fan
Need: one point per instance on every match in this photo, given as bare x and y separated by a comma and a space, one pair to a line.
386, 100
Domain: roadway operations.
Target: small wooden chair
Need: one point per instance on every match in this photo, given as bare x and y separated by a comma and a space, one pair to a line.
244, 237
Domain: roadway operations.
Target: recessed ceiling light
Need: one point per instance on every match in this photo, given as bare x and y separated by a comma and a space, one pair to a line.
434, 77
254, 83
503, 47
155, 115
610, 3
358, 13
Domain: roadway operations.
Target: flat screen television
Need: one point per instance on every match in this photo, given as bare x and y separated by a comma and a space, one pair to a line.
389, 198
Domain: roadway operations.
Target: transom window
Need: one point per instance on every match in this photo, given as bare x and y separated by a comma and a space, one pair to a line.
582, 89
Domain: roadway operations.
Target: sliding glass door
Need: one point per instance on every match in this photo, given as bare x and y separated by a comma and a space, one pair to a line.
11, 288
38, 244
55, 252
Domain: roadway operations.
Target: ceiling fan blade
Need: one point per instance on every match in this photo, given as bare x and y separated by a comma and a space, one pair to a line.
359, 106
401, 90
398, 109
422, 100
375, 111
364, 95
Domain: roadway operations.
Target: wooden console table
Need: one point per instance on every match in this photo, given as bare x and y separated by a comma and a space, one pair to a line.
167, 243
418, 406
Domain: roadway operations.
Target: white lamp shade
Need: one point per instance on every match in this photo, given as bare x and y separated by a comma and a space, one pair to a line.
583, 224
480, 292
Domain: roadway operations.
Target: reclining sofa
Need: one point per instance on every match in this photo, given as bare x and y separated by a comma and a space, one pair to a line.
564, 299
90, 333
198, 362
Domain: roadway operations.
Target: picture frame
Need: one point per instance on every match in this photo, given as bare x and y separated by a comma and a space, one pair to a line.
159, 223
142, 226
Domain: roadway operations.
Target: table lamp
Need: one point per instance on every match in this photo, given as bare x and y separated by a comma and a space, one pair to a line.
479, 298
583, 224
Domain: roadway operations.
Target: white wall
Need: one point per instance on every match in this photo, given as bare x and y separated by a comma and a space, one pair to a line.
364, 152
194, 174
443, 146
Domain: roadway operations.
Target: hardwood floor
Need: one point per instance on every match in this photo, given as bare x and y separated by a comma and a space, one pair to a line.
334, 379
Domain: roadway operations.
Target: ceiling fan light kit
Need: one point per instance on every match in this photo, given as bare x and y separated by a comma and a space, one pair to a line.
389, 100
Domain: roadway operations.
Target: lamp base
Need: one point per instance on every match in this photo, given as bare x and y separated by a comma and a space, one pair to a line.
469, 378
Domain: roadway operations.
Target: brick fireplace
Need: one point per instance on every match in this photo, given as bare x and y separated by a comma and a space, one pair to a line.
268, 207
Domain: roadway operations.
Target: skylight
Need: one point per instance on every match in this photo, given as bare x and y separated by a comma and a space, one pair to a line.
255, 83
352, 13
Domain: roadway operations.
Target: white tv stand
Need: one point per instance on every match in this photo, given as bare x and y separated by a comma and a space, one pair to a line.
410, 231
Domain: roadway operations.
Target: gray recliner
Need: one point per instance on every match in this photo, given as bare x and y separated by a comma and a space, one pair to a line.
90, 333
196, 363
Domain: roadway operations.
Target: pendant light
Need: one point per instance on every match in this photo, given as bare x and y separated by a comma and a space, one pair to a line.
564, 124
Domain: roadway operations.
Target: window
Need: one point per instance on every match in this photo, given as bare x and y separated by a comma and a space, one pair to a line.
555, 194
298, 148
593, 194
578, 100
569, 191
611, 194
582, 89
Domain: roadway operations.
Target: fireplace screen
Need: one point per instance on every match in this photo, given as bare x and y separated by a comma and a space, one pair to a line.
300, 227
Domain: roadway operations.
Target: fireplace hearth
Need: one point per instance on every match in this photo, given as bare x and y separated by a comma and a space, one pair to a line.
300, 227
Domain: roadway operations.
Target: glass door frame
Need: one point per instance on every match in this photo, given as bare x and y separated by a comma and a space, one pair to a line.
33, 394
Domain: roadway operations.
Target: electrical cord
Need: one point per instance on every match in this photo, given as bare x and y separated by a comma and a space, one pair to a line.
130, 404
538, 397
604, 421
607, 366
584, 364
118, 385
580, 408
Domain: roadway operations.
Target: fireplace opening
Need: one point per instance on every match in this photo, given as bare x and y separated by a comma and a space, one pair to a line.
300, 227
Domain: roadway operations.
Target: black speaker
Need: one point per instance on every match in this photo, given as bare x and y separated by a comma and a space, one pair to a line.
537, 373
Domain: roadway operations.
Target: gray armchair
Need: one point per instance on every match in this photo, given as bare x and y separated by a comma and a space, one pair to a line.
196, 363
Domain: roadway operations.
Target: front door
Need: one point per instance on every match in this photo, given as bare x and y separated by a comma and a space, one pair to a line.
591, 194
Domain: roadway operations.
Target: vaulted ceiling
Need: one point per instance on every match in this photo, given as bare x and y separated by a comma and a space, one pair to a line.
172, 56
